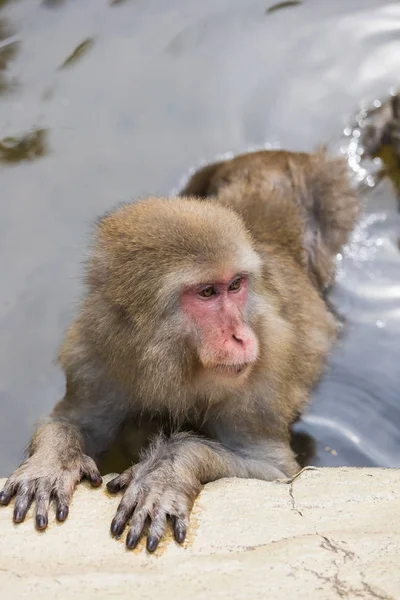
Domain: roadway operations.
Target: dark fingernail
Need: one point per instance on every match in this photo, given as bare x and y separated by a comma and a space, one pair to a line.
152, 543
180, 534
41, 521
117, 527
4, 498
62, 513
96, 480
19, 516
113, 486
132, 540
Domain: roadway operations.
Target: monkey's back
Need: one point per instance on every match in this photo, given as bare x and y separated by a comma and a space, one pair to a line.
301, 204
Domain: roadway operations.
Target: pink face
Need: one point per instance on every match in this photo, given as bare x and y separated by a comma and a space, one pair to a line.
227, 345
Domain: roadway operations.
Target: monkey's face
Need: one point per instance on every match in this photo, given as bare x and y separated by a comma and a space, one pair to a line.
183, 277
215, 315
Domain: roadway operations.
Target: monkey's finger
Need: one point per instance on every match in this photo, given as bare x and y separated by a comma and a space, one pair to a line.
180, 511
119, 523
123, 514
23, 501
121, 481
62, 511
180, 525
114, 485
90, 470
7, 492
136, 530
156, 531
95, 479
63, 493
42, 505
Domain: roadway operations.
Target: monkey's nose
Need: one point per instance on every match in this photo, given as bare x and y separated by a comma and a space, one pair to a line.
237, 339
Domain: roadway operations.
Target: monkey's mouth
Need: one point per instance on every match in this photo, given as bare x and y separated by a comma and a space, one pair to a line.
230, 369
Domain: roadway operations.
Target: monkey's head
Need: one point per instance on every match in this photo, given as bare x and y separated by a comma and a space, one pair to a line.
181, 278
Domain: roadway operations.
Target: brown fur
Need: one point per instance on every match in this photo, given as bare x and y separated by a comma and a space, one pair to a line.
280, 218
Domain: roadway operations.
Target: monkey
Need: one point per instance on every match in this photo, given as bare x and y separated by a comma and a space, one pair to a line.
381, 139
204, 326
385, 128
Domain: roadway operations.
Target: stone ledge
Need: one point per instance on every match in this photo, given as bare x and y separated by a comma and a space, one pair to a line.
332, 533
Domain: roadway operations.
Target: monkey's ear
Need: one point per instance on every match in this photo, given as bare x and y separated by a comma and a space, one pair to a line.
329, 208
200, 184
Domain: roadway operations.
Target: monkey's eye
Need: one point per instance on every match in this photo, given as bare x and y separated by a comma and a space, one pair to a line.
207, 292
235, 285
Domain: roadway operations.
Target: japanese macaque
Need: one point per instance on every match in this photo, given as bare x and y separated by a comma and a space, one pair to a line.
384, 129
204, 327
381, 139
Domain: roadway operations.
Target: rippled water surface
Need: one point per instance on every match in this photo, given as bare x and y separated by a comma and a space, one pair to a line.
105, 101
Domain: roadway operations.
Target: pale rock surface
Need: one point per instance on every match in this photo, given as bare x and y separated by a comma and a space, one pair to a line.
332, 533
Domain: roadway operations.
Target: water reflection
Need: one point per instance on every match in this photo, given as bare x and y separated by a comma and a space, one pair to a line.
28, 146
79, 51
8, 49
280, 5
167, 86
53, 3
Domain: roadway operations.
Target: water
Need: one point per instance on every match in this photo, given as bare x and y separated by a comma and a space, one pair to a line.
161, 86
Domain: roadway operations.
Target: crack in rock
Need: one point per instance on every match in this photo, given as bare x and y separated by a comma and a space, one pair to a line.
339, 586
331, 545
291, 481
293, 501
342, 588
373, 591
334, 581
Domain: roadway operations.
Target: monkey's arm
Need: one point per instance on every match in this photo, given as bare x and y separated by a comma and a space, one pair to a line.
170, 477
62, 452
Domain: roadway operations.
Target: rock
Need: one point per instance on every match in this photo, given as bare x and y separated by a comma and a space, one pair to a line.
332, 533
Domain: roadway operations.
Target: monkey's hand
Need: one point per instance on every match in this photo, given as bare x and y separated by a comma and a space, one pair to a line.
154, 490
45, 476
